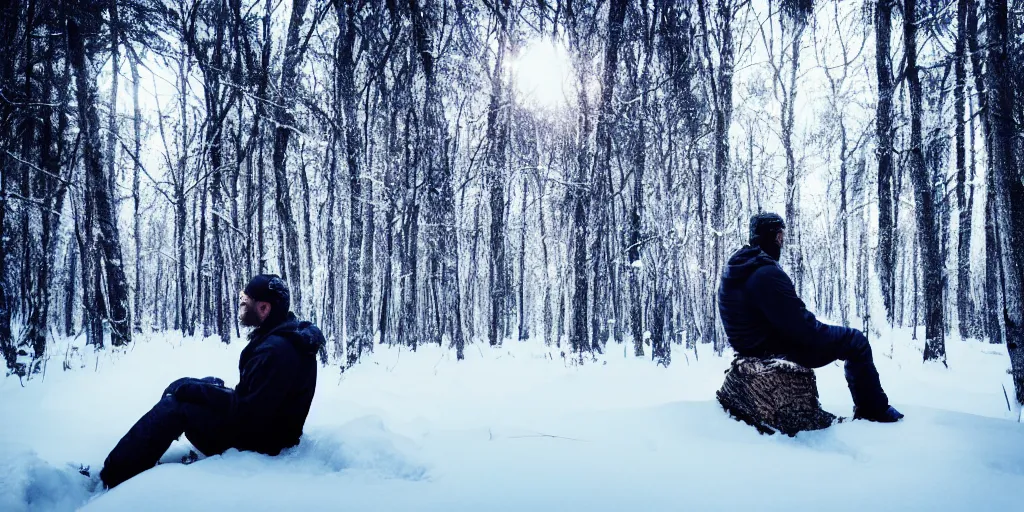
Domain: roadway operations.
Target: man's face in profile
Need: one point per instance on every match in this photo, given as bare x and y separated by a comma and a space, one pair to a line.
251, 313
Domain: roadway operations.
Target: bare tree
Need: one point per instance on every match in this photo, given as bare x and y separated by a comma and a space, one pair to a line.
1009, 191
927, 233
497, 141
285, 119
97, 182
885, 260
443, 247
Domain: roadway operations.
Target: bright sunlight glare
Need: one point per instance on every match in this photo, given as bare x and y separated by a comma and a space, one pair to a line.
542, 73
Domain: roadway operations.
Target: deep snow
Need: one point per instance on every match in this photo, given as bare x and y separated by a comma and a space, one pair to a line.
520, 428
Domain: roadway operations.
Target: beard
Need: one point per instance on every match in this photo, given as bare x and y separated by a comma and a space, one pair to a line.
249, 318
770, 247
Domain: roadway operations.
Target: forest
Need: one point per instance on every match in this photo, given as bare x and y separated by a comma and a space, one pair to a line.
461, 172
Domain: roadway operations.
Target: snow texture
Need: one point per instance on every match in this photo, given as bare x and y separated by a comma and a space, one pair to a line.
521, 428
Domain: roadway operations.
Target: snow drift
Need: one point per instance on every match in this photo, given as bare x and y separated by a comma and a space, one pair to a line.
521, 428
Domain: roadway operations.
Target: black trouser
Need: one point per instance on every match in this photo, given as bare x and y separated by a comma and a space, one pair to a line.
206, 427
854, 349
861, 374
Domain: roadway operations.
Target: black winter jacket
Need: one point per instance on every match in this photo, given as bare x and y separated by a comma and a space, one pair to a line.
763, 315
277, 379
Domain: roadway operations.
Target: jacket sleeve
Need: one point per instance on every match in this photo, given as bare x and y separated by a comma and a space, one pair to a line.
775, 295
207, 391
268, 374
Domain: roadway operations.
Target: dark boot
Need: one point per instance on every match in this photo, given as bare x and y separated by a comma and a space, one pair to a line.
889, 415
862, 378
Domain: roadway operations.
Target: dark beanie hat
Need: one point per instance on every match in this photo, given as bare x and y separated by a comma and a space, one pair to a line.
765, 224
270, 288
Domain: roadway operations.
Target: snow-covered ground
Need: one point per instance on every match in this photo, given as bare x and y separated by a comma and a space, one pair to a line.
520, 428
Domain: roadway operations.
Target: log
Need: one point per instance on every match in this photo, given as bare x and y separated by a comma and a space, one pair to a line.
773, 395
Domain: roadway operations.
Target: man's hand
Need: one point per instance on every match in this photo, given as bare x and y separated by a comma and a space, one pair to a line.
213, 380
191, 392
208, 390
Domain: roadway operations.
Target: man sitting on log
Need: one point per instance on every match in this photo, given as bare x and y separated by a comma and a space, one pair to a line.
764, 317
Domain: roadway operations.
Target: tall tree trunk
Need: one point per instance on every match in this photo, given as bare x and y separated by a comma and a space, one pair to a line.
368, 259
792, 199
183, 321
601, 180
993, 270
199, 277
385, 325
261, 235
357, 332
661, 331
409, 329
927, 233
936, 149
1009, 195
36, 336
470, 296
211, 62
220, 317
884, 134
965, 307
136, 196
330, 221
975, 322
330, 228
69, 290
497, 140
442, 242
307, 236
282, 133
636, 317
112, 128
51, 186
88, 121
993, 306
263, 79
9, 28
548, 320
641, 84
723, 121
578, 198
844, 220
92, 316
27, 130
524, 323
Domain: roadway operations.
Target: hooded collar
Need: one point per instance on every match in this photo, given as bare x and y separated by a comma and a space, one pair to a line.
745, 261
270, 326
304, 336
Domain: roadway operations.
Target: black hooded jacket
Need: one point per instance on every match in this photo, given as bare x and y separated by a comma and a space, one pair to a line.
763, 315
277, 379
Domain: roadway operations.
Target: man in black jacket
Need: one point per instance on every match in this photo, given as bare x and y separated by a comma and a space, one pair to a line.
264, 413
764, 317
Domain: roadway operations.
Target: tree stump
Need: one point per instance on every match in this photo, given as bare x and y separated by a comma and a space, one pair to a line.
773, 395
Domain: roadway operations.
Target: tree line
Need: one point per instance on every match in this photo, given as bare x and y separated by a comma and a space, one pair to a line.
381, 156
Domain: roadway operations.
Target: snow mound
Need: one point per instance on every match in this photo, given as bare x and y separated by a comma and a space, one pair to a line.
520, 428
363, 445
28, 483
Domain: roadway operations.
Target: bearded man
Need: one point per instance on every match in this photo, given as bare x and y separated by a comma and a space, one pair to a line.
264, 413
764, 317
